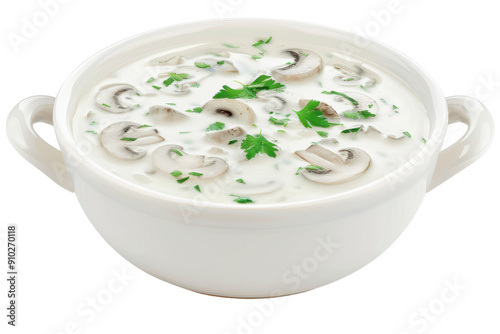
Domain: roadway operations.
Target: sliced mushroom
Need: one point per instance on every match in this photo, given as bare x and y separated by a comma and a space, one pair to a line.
306, 65
169, 158
276, 101
164, 113
116, 98
325, 108
224, 136
363, 102
230, 108
219, 65
122, 139
249, 189
355, 74
333, 168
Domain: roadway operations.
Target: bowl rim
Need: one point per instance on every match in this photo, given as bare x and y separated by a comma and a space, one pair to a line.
106, 178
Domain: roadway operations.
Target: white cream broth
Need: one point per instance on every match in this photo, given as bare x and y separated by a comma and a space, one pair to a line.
267, 179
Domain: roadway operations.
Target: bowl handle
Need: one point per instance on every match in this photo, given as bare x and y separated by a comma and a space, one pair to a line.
30, 145
471, 145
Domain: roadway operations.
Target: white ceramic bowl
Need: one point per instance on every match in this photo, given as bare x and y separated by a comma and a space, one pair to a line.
253, 250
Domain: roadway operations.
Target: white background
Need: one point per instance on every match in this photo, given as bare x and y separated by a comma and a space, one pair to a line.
453, 238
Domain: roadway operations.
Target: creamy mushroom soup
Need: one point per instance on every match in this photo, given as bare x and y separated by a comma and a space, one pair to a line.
254, 121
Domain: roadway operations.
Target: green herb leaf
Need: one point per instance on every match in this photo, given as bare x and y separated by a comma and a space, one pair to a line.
195, 85
220, 62
263, 82
313, 167
353, 101
171, 104
176, 173
92, 132
322, 134
150, 80
298, 170
260, 42
241, 181
196, 110
184, 132
352, 130
196, 174
197, 188
145, 126
254, 145
183, 180
364, 114
256, 57
201, 64
242, 200
128, 139
104, 104
157, 87
93, 123
309, 116
231, 142
216, 126
174, 77
424, 140
275, 121
407, 134
353, 115
179, 153
283, 131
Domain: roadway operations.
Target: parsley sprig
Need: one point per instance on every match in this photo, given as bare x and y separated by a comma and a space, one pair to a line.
364, 114
253, 145
263, 82
310, 116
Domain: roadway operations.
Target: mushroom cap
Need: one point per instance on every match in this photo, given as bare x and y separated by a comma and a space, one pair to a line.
230, 108
278, 100
224, 136
353, 73
116, 98
164, 113
111, 139
335, 168
325, 108
166, 159
306, 65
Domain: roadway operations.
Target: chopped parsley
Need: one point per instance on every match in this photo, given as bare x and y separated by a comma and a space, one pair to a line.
298, 170
407, 134
309, 116
196, 174
241, 181
177, 152
92, 132
313, 167
275, 121
323, 134
260, 42
353, 101
256, 57
197, 188
220, 62
216, 126
195, 110
349, 79
201, 65
242, 200
176, 173
174, 77
171, 104
424, 140
195, 85
352, 130
231, 142
150, 80
281, 131
93, 123
128, 139
156, 87
364, 114
184, 132
183, 180
370, 105
104, 104
263, 82
145, 126
253, 145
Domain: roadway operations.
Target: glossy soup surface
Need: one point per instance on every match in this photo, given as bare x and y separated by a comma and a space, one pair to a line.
258, 120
